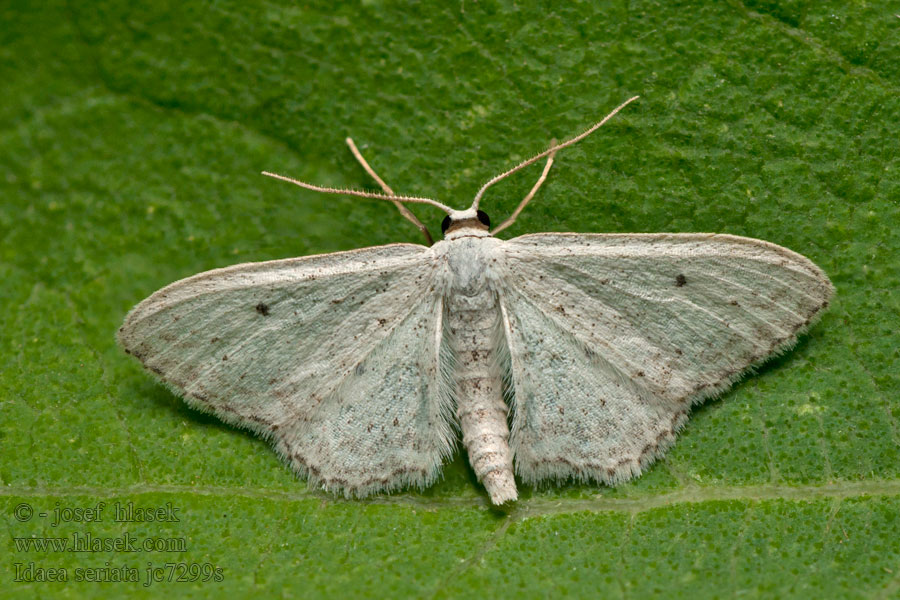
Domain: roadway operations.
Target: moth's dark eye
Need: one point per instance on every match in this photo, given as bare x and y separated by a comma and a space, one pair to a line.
445, 224
482, 216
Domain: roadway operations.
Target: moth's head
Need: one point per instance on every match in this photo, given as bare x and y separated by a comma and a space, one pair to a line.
466, 223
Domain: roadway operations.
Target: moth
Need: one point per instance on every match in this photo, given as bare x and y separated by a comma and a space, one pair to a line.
556, 355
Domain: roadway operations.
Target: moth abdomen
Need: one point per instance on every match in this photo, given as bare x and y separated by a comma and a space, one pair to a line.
480, 408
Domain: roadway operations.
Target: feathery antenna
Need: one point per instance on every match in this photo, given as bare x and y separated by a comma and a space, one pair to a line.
552, 150
512, 218
387, 190
360, 193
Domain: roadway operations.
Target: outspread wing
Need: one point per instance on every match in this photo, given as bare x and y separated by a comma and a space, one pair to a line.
612, 338
333, 357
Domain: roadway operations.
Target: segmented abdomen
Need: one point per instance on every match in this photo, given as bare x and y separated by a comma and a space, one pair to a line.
474, 322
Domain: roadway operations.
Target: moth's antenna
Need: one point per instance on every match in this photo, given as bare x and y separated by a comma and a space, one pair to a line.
552, 150
360, 193
387, 190
512, 218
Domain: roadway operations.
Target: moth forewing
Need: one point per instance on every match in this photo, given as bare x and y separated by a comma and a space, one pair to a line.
332, 357
614, 337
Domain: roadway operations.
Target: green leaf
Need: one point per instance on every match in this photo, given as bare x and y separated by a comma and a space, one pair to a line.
132, 139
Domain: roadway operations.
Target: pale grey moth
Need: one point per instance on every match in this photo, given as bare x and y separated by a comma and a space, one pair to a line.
556, 355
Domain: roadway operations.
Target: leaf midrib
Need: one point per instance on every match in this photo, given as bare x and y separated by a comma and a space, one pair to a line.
694, 494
